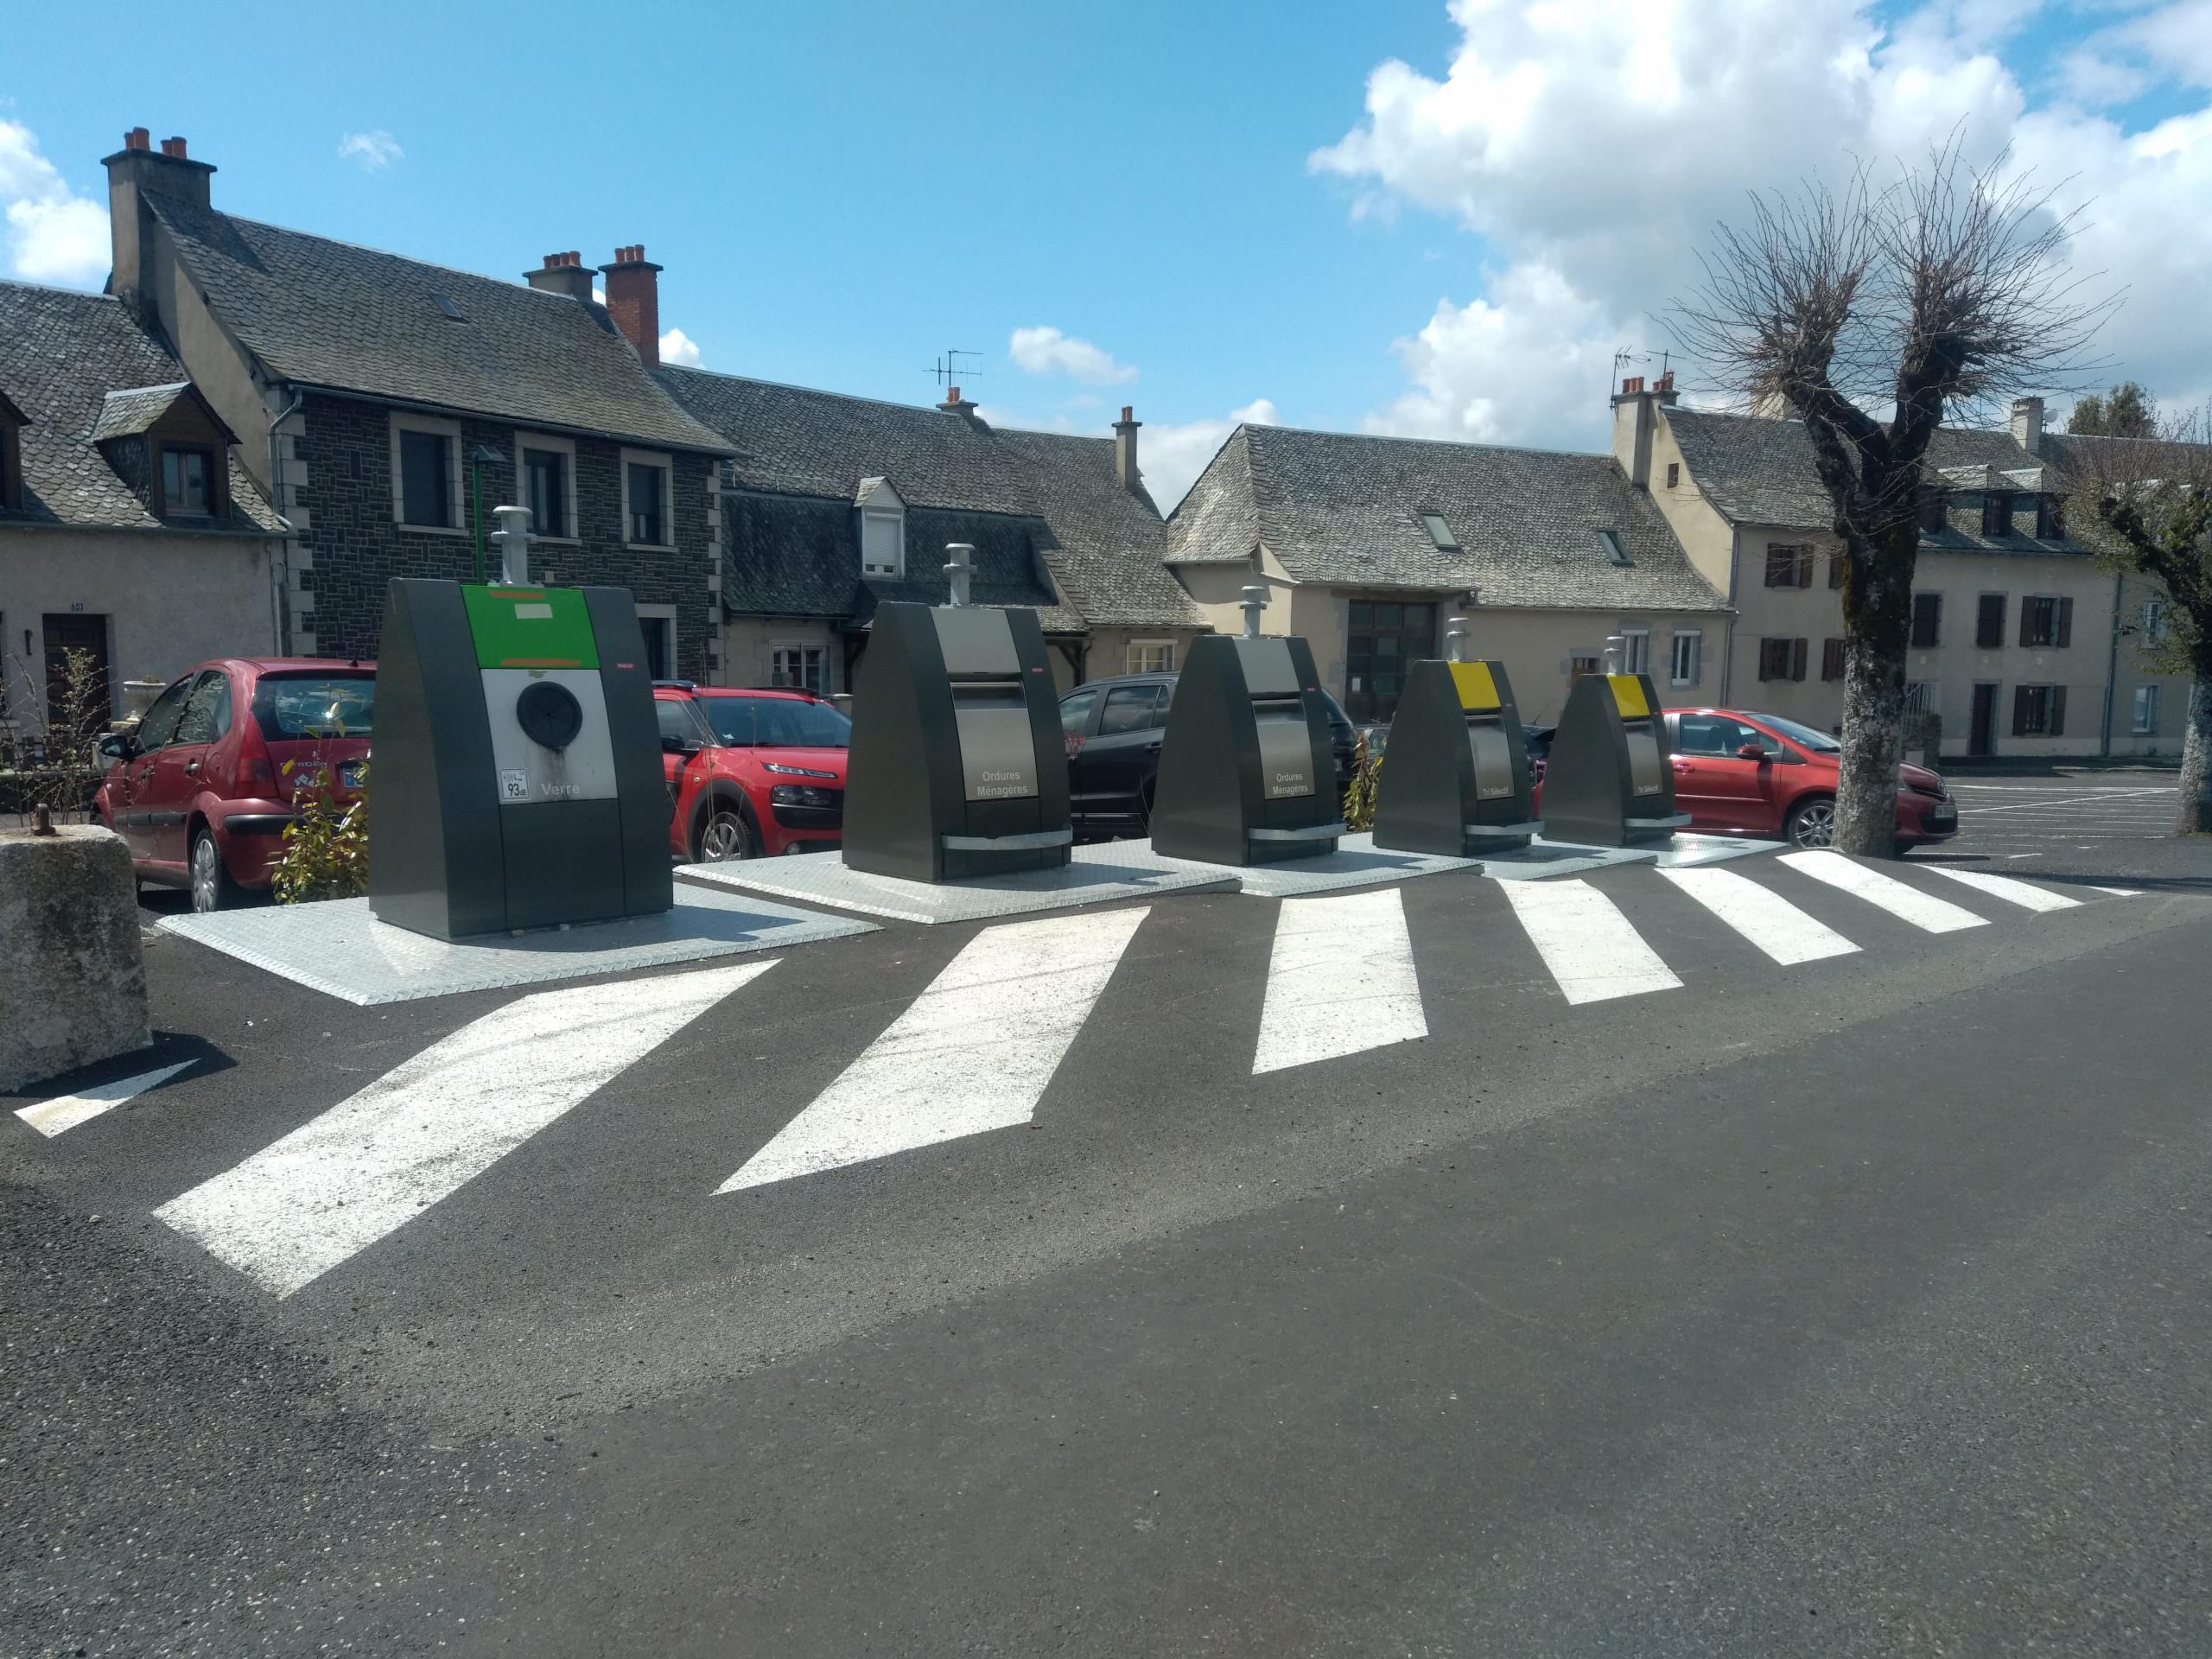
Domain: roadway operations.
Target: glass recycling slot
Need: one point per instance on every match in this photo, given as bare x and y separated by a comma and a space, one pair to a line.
1247, 766
1609, 781
956, 768
518, 770
1455, 779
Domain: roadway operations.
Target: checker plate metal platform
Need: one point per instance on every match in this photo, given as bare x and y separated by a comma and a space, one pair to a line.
339, 948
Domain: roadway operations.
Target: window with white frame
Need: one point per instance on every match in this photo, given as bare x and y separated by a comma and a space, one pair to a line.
1152, 657
656, 627
2154, 621
1636, 651
547, 468
795, 665
1689, 647
2146, 711
426, 492
648, 504
883, 543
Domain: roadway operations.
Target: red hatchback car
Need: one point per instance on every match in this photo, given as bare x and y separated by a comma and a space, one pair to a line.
1762, 775
751, 772
202, 791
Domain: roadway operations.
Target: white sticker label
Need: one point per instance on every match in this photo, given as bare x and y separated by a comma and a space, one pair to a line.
534, 612
514, 784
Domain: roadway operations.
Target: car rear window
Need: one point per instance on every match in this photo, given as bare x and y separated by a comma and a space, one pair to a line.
292, 706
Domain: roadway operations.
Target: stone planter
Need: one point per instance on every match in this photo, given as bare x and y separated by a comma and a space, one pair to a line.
73, 982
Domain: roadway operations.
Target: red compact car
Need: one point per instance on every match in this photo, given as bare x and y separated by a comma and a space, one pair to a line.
1762, 775
751, 772
202, 791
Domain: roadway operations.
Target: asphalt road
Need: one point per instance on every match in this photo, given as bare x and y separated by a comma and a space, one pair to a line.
1854, 1305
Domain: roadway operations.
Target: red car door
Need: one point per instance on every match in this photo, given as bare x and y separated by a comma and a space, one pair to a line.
136, 775
1714, 784
177, 766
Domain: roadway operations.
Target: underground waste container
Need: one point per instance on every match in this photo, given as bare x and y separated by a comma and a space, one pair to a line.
1455, 778
1608, 782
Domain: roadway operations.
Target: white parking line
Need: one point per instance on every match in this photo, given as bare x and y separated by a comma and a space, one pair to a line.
1923, 910
2102, 797
1340, 981
1761, 915
373, 1163
973, 1053
1593, 950
50, 1117
2023, 893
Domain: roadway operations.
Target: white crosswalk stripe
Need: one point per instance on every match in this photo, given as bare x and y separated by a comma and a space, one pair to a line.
2025, 894
1908, 904
341, 1181
1593, 950
973, 1053
50, 1117
1340, 981
1761, 915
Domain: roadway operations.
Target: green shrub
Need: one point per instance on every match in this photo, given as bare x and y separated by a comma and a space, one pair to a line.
325, 852
1359, 794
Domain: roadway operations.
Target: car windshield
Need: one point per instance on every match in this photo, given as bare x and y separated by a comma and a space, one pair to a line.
291, 706
776, 723
1804, 736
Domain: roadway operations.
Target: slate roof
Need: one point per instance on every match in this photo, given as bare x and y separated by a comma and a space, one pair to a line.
1109, 546
132, 413
1760, 471
61, 354
348, 319
1346, 510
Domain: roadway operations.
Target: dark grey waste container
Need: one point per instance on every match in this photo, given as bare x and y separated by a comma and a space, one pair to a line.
956, 766
1455, 776
517, 777
1609, 781
1247, 772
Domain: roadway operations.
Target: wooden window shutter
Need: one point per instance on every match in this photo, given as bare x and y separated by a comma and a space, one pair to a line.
1805, 565
1989, 625
1766, 659
1835, 569
2027, 619
2058, 726
2065, 623
1832, 660
2019, 711
1797, 654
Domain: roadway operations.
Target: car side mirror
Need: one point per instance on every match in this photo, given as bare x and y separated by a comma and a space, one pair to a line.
1752, 752
681, 745
116, 745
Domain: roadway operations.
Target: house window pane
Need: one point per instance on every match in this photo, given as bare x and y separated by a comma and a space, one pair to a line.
1684, 669
184, 481
797, 665
1152, 657
425, 485
648, 504
545, 484
2145, 723
881, 536
1636, 652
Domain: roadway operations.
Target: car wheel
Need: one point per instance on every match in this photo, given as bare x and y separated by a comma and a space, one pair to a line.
1812, 823
212, 886
724, 836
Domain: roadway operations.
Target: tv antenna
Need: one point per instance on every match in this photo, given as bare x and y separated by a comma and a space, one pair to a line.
948, 372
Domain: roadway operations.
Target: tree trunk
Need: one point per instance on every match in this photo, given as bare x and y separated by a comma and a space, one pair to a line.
2193, 814
1866, 781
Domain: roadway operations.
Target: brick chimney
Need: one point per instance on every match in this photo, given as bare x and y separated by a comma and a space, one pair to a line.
2027, 423
633, 299
1125, 452
135, 172
562, 273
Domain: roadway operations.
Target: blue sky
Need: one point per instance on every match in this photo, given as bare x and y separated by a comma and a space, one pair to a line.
1217, 200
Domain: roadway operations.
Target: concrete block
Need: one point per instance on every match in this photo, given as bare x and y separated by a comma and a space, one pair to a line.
72, 980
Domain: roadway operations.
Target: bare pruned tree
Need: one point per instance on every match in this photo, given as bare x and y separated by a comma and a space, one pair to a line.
1869, 314
2153, 499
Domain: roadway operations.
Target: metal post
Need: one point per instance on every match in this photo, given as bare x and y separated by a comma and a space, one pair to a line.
513, 538
1615, 646
1455, 638
959, 557
1254, 601
476, 508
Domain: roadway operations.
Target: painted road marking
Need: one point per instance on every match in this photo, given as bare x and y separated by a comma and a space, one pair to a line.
373, 1163
973, 1053
1923, 910
1341, 981
2102, 797
2023, 893
50, 1117
2123, 893
1593, 950
1761, 915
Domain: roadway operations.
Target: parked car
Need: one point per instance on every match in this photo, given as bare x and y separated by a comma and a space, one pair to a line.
1736, 773
1113, 730
751, 773
201, 791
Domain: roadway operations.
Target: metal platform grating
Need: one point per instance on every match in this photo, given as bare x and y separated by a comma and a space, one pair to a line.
339, 948
1096, 876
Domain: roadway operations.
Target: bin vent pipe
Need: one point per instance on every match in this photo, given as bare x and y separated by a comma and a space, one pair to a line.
959, 557
513, 538
1455, 638
1614, 646
1254, 601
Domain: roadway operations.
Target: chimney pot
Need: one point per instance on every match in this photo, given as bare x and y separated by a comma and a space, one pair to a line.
1125, 412
174, 147
562, 273
952, 395
1633, 384
1125, 451
137, 138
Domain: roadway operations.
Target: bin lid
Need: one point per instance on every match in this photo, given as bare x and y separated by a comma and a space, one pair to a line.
1477, 690
1628, 696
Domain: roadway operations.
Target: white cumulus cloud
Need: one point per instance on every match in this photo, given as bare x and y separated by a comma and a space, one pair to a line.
371, 152
1047, 351
54, 235
1594, 146
679, 348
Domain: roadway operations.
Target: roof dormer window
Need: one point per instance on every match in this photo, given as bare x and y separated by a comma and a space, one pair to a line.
1440, 533
188, 473
1609, 543
883, 529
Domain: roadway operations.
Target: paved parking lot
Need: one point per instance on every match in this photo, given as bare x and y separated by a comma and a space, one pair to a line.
2087, 827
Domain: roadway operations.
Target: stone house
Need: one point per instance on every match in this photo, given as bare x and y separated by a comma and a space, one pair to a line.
385, 405
832, 505
2011, 618
129, 529
1367, 543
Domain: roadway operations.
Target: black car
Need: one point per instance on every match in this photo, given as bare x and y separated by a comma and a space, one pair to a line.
1112, 729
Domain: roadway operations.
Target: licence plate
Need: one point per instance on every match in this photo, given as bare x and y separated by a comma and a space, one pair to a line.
349, 774
1942, 815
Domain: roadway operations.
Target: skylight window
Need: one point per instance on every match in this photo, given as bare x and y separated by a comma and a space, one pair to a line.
451, 312
1609, 543
1440, 533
